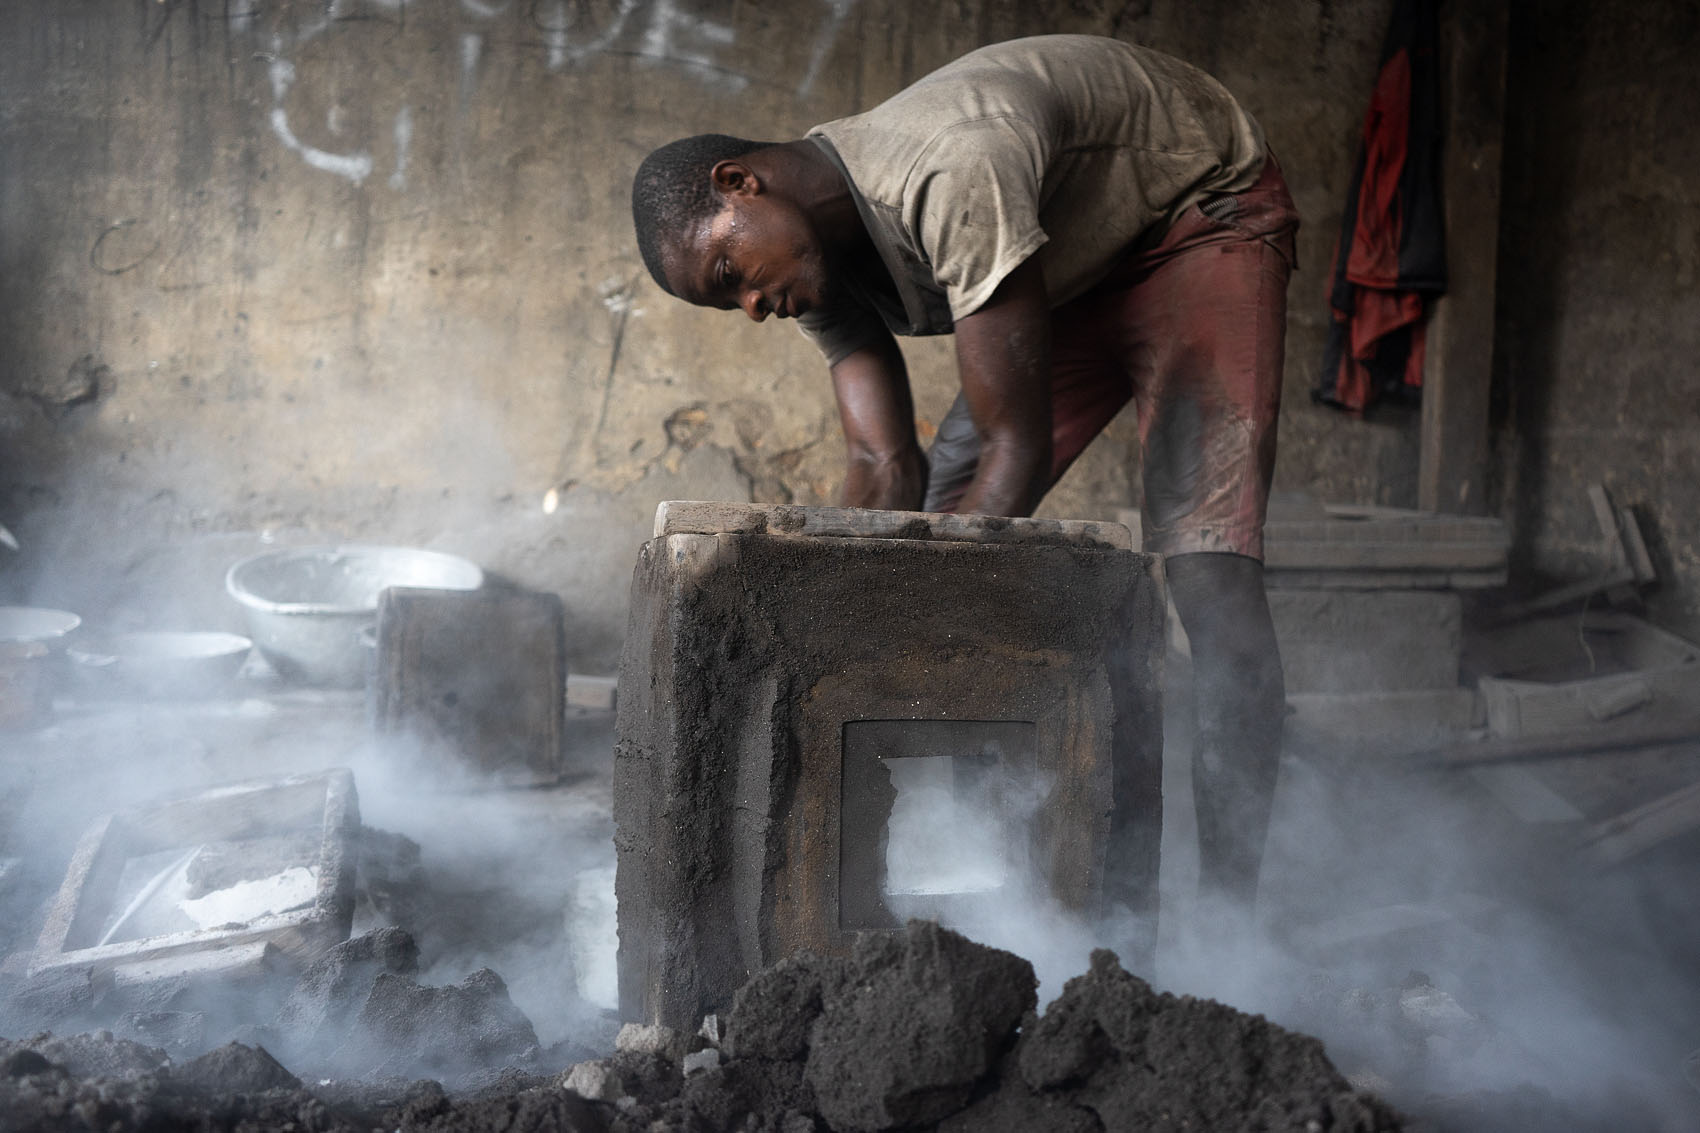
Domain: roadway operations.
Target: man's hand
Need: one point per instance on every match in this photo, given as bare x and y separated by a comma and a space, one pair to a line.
1003, 352
886, 466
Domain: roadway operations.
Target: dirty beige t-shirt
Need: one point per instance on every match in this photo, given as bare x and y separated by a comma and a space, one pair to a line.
1071, 147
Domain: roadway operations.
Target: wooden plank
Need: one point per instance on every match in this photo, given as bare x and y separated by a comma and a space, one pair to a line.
1382, 724
1680, 725
1351, 522
712, 517
1407, 555
1525, 795
86, 896
1384, 579
1635, 832
474, 681
1453, 454
1628, 564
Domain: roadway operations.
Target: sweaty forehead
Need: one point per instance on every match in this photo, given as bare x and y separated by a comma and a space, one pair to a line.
688, 261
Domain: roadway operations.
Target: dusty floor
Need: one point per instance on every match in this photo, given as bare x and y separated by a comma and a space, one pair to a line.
1461, 963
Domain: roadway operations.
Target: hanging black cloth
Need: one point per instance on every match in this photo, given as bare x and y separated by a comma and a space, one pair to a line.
1390, 258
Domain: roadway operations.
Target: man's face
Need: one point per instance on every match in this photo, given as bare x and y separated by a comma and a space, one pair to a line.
759, 253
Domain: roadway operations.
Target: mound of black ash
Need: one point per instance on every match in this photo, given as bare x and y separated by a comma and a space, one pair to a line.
925, 1029
918, 1030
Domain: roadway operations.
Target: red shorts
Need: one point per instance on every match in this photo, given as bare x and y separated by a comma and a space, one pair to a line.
1194, 331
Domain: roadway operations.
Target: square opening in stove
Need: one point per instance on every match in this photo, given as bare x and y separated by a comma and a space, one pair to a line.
936, 819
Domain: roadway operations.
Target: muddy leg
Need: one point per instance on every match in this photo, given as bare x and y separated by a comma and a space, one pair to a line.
1240, 701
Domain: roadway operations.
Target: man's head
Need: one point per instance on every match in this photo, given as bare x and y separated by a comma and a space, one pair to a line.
714, 229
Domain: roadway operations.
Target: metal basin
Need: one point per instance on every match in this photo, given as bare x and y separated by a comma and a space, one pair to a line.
27, 625
305, 606
183, 664
30, 639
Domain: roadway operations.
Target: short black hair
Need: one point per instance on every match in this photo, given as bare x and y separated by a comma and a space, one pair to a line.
672, 191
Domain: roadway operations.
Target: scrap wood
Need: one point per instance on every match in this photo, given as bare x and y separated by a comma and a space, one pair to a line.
1354, 546
1634, 832
1682, 726
1628, 565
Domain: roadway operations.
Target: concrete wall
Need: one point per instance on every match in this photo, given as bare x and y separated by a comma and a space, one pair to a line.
1599, 324
363, 269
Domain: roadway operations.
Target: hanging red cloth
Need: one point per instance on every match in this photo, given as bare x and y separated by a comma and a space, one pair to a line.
1390, 258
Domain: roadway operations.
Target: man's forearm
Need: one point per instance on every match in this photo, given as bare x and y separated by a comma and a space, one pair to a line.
885, 466
894, 484
1003, 354
1010, 480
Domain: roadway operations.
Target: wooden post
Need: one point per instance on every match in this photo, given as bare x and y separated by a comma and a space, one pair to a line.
1452, 466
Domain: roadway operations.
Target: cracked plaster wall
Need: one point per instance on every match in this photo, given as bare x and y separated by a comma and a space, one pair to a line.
363, 270
1599, 257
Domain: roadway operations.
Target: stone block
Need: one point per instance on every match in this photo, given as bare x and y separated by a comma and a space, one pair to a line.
597, 1081
652, 1038
706, 1059
778, 677
1368, 640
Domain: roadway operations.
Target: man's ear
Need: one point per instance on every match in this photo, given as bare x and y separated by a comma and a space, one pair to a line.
734, 178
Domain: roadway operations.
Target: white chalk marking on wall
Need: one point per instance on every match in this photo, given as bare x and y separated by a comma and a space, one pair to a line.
471, 47
555, 36
403, 139
354, 166
823, 41
558, 38
670, 35
282, 73
667, 21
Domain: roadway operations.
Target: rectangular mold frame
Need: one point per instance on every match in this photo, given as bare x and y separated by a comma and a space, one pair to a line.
862, 902
239, 810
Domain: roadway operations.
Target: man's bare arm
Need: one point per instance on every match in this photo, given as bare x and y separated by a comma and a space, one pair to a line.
1003, 352
886, 467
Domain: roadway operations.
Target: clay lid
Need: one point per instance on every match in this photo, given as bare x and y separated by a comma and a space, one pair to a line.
708, 517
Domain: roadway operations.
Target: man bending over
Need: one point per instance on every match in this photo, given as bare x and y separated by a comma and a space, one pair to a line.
1094, 222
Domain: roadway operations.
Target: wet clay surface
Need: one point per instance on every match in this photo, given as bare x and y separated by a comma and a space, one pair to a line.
920, 1029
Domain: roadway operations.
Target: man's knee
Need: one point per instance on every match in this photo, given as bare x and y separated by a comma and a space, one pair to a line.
1225, 612
1219, 592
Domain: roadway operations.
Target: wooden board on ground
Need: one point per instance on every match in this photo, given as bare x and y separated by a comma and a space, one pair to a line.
1628, 565
1309, 545
1382, 724
1410, 547
1674, 724
1635, 832
474, 682
1331, 579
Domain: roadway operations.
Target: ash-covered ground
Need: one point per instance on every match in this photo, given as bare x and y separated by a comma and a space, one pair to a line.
918, 1030
1456, 967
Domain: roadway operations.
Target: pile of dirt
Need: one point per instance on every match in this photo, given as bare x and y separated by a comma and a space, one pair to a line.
926, 1029
921, 1029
